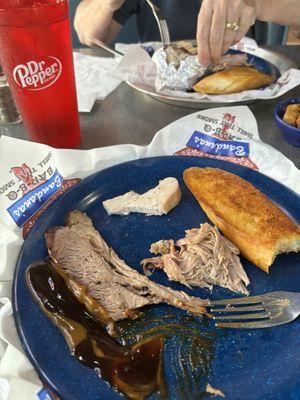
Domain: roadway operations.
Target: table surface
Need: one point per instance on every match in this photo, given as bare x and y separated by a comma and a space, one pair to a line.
127, 116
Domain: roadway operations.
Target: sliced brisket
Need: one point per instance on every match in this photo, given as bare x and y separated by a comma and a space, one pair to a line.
86, 258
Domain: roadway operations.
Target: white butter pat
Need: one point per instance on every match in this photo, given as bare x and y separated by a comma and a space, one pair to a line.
157, 201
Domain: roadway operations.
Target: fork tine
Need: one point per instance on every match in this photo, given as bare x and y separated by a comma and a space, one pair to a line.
240, 300
253, 325
243, 316
238, 309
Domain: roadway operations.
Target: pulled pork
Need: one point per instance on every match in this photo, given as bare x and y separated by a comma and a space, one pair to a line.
202, 258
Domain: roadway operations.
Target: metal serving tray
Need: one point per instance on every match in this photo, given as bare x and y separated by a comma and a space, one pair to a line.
279, 61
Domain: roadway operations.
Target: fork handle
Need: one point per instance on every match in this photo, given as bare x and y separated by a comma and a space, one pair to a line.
161, 22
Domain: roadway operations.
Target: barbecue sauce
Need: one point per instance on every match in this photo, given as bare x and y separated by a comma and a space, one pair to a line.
136, 370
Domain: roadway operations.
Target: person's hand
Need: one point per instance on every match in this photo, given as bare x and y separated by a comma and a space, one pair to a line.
94, 19
215, 32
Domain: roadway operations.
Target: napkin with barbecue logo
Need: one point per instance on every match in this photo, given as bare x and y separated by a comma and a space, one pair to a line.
33, 175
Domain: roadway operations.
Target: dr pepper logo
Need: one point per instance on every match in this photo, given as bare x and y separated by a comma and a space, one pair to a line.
38, 75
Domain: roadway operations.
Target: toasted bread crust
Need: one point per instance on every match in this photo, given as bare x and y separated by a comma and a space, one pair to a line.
233, 80
258, 227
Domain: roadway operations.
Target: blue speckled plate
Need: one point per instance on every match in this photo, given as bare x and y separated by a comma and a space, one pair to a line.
259, 63
246, 365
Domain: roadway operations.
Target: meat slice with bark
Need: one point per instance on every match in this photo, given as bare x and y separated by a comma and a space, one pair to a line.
84, 256
202, 258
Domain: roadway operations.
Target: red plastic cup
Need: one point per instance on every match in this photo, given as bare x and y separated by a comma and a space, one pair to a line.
36, 56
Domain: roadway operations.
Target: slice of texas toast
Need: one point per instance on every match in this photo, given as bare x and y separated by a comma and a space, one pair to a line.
258, 227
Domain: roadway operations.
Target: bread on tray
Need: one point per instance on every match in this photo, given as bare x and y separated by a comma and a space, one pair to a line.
257, 226
233, 80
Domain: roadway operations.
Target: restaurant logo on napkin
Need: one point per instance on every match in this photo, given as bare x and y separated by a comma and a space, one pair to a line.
213, 145
30, 187
219, 135
36, 190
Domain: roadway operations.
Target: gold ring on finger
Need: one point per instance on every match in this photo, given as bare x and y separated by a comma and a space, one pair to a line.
232, 26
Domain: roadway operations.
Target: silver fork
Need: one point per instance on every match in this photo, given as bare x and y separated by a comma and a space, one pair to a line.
263, 311
162, 24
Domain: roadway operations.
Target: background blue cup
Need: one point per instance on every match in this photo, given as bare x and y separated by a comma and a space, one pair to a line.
290, 133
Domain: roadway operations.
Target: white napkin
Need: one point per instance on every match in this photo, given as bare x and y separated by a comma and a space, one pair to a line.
93, 79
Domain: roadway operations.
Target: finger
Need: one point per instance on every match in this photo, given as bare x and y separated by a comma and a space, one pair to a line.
247, 19
233, 16
217, 32
203, 29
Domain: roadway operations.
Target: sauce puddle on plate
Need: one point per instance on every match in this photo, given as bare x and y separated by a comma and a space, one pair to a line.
135, 371
135, 367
